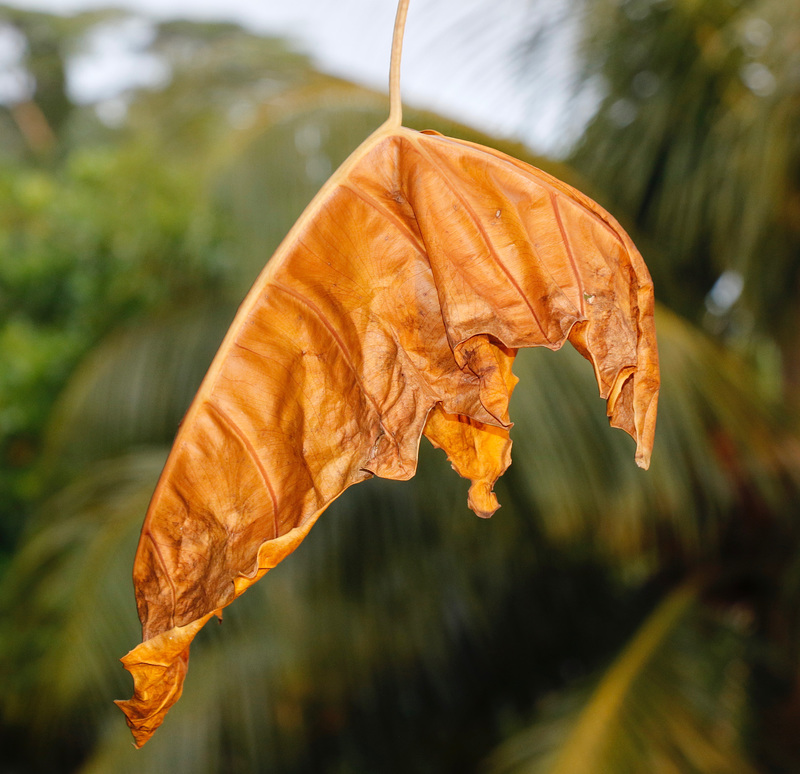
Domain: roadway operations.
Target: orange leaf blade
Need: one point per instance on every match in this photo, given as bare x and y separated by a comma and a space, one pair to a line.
395, 306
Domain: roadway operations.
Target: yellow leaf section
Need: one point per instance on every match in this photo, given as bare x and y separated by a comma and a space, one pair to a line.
479, 452
159, 665
476, 451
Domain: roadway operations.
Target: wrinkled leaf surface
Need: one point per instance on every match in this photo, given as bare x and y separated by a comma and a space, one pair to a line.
394, 308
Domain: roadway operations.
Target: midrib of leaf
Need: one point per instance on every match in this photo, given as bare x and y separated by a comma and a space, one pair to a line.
587, 743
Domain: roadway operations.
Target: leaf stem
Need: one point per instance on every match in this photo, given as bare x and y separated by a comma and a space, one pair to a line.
395, 101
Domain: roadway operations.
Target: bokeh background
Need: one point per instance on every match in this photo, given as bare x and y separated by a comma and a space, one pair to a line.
606, 620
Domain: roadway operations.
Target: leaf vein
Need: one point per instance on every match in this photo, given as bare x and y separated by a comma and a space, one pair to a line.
375, 203
446, 177
570, 254
309, 304
242, 436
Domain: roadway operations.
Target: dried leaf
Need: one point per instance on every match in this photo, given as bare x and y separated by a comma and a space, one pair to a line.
394, 308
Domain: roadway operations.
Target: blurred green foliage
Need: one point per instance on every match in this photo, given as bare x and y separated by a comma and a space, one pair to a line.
626, 621
101, 238
696, 140
111, 224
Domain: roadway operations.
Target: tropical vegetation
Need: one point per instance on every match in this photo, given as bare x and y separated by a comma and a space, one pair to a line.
605, 620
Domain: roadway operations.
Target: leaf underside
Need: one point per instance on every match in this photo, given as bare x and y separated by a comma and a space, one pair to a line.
394, 308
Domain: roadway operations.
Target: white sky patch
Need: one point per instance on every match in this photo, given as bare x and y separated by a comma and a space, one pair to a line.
725, 292
461, 57
15, 84
115, 60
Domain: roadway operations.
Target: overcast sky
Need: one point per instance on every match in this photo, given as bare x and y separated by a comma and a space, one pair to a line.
459, 59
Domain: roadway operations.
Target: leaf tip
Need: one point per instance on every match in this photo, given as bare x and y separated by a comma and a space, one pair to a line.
482, 500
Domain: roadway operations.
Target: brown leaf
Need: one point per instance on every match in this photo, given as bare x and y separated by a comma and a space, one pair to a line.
394, 308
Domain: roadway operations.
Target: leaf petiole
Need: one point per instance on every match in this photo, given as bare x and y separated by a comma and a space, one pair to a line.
395, 101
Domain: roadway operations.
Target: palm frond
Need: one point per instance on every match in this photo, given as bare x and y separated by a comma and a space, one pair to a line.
68, 591
722, 453
696, 142
672, 701
134, 387
397, 596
